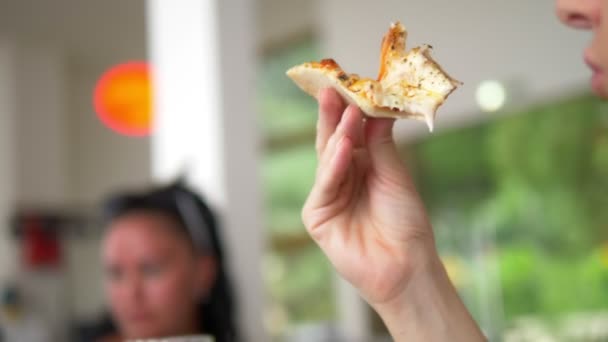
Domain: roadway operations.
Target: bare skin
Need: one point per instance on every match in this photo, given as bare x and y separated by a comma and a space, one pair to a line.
153, 277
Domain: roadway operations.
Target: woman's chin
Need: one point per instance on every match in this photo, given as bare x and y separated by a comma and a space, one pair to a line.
599, 84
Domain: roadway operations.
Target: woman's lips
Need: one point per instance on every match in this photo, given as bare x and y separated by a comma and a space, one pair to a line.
138, 317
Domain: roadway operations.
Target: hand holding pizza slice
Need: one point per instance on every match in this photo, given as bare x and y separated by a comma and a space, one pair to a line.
409, 84
363, 209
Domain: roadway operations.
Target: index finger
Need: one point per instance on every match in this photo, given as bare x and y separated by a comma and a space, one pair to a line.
331, 107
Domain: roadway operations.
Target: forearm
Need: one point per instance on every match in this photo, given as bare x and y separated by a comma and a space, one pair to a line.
429, 309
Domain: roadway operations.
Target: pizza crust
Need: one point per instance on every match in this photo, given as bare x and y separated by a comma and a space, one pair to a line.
313, 79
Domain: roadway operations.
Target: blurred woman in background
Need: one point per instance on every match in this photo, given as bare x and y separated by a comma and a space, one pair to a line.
164, 266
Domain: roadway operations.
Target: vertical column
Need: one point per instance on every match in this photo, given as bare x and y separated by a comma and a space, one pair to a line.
203, 63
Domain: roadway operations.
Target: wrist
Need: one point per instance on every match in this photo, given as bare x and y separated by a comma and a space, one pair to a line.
429, 308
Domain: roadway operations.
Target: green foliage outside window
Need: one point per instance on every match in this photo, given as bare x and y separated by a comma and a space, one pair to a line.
522, 201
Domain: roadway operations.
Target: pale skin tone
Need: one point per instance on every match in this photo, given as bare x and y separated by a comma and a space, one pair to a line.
367, 217
153, 277
591, 15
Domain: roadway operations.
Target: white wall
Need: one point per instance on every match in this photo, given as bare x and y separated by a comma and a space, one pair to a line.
41, 130
279, 20
85, 37
7, 156
519, 42
100, 160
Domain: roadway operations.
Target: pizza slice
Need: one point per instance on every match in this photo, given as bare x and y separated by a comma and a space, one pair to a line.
409, 85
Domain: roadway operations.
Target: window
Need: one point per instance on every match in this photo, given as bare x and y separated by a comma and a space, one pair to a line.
298, 277
519, 211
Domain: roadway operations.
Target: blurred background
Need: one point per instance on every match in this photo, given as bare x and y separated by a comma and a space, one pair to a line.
514, 175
